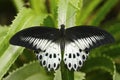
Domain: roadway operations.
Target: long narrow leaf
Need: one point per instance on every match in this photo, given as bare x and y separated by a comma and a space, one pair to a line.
86, 11
102, 12
31, 71
25, 18
102, 62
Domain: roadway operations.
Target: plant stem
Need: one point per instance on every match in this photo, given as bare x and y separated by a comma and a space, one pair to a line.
66, 73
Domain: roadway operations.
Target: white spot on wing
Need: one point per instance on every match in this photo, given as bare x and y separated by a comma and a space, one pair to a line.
72, 56
38, 43
43, 43
87, 42
31, 40
51, 57
48, 43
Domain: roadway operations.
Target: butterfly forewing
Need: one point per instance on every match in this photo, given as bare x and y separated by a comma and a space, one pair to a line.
35, 38
88, 37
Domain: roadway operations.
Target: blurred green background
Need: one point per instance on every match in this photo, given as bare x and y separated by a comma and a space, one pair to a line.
103, 62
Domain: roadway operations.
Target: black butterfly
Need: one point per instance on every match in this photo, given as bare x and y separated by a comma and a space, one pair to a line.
49, 43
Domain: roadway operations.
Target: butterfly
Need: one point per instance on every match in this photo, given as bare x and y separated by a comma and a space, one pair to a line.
71, 45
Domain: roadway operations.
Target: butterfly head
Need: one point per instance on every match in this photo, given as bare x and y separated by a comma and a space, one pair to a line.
62, 29
62, 26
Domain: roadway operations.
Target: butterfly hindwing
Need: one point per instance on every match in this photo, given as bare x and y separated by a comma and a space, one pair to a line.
51, 57
74, 56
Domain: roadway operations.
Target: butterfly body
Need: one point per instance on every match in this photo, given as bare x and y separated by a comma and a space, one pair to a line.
74, 43
62, 36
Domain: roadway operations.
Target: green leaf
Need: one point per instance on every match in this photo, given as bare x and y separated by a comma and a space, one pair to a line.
67, 11
117, 76
113, 51
79, 75
8, 58
102, 12
62, 11
3, 31
115, 30
74, 8
52, 9
99, 75
32, 71
25, 18
20, 21
57, 75
102, 62
38, 6
49, 22
86, 11
18, 4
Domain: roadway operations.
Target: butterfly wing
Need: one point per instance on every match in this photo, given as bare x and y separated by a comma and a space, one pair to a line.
88, 36
43, 41
79, 41
51, 57
73, 56
35, 38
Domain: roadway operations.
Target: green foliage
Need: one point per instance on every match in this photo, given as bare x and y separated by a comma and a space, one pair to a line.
101, 13
29, 72
18, 63
25, 18
3, 31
